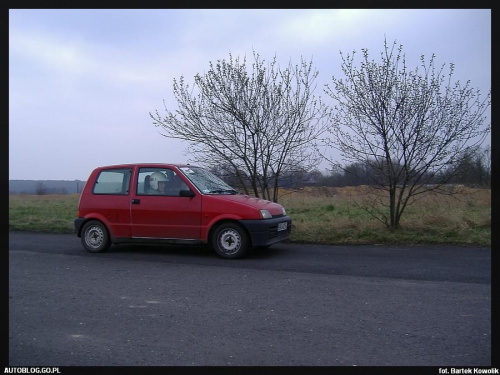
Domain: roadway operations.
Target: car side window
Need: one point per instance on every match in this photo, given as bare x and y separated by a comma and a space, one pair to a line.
159, 181
113, 182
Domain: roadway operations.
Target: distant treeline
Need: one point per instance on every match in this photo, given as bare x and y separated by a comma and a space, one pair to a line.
353, 175
474, 171
45, 187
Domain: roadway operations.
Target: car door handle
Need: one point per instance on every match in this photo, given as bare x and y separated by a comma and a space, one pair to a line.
136, 201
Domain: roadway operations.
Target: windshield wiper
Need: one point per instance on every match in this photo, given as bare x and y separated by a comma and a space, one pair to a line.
223, 191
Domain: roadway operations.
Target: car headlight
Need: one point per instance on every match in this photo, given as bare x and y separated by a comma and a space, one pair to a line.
265, 214
283, 209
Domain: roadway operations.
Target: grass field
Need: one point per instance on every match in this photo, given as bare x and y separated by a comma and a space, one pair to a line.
339, 216
43, 213
320, 215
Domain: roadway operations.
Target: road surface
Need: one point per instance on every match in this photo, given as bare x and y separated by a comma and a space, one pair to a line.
289, 305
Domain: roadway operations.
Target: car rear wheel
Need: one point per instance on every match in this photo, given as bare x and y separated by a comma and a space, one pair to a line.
230, 241
95, 237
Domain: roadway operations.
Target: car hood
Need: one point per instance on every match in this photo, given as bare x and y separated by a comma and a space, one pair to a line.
258, 203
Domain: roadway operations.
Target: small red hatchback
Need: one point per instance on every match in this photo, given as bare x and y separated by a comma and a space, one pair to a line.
174, 204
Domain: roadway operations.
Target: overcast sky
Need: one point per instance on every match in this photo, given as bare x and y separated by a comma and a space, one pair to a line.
83, 82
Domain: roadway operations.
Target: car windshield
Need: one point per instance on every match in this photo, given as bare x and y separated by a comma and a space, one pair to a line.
206, 181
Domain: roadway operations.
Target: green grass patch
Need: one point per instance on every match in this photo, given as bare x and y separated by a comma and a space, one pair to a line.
43, 213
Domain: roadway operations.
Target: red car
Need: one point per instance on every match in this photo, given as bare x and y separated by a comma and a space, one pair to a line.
174, 204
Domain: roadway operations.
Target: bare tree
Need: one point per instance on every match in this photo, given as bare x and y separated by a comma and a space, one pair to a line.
474, 169
262, 122
407, 125
40, 188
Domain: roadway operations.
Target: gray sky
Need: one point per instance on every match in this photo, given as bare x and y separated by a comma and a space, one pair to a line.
83, 82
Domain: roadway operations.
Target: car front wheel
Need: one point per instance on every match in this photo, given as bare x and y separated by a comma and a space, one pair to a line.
230, 241
95, 237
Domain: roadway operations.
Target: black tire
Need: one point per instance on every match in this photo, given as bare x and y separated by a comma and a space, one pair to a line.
95, 237
230, 241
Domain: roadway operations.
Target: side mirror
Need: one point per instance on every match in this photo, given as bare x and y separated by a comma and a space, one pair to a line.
186, 193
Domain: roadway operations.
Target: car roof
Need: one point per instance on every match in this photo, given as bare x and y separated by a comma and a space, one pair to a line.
131, 165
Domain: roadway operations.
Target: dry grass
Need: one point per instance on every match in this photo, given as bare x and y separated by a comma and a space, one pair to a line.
340, 215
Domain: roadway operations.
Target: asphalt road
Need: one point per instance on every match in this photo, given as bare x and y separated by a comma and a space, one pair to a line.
290, 305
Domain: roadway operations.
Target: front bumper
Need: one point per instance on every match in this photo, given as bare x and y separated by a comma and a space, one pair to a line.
265, 232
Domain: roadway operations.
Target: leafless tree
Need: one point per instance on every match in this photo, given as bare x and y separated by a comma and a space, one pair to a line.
474, 169
40, 188
408, 125
262, 122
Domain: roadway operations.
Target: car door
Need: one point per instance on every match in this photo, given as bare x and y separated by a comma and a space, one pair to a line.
164, 214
